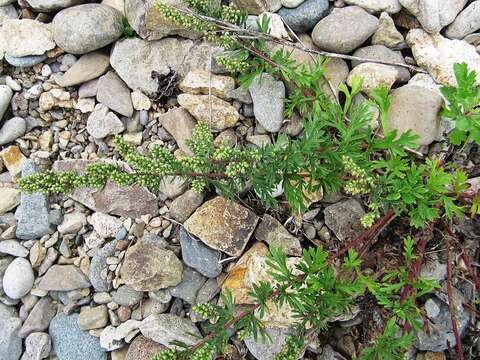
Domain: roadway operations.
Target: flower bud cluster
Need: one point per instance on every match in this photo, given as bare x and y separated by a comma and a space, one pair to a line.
361, 182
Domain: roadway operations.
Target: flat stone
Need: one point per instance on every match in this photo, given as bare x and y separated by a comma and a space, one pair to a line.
83, 28
102, 122
438, 55
165, 328
37, 346
223, 115
140, 101
63, 278
93, 318
89, 66
200, 257
202, 81
222, 225
336, 33
134, 60
50, 5
127, 296
271, 231
24, 61
377, 6
172, 186
13, 247
467, 22
142, 348
268, 96
9, 199
106, 226
188, 288
39, 317
18, 278
184, 205
113, 338
113, 93
72, 343
26, 37
180, 124
72, 223
98, 264
343, 218
126, 201
12, 129
416, 108
148, 267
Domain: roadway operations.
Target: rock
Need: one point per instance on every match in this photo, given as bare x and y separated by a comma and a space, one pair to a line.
55, 98
303, 18
200, 81
336, 71
438, 55
382, 53
72, 343
377, 6
276, 28
83, 28
4, 262
5, 96
387, 34
188, 288
50, 5
142, 348
268, 349
12, 129
140, 101
72, 223
98, 264
343, 218
88, 89
222, 225
268, 101
223, 115
105, 225
93, 318
434, 15
467, 22
126, 201
10, 342
373, 75
13, 159
291, 3
9, 199
180, 124
258, 6
165, 328
147, 267
7, 12
86, 105
335, 33
18, 278
433, 269
24, 61
26, 37
39, 317
63, 278
416, 108
172, 186
134, 60
113, 338
13, 247
184, 205
113, 93
37, 346
102, 123
275, 235
147, 21
200, 257
89, 66
127, 296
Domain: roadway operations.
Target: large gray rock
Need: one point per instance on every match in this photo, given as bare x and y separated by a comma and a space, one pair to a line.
50, 5
343, 218
344, 29
102, 123
33, 213
12, 129
199, 256
63, 278
72, 343
88, 67
184, 205
416, 108
165, 328
268, 95
113, 93
39, 317
304, 17
5, 96
467, 22
7, 12
84, 28
10, 342
18, 278
188, 288
134, 60
180, 124
26, 37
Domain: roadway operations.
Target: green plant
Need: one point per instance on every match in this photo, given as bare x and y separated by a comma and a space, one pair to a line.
127, 29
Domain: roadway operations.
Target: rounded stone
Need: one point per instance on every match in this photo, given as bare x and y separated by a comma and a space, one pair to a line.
84, 28
12, 129
18, 278
304, 17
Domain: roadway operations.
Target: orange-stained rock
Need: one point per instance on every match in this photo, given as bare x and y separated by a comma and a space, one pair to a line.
13, 160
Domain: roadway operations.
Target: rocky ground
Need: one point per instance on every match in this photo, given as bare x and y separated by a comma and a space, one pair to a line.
114, 273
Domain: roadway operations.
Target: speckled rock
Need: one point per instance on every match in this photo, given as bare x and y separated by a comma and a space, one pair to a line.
142, 348
200, 257
63, 278
180, 124
376, 6
222, 225
258, 6
50, 5
39, 317
343, 218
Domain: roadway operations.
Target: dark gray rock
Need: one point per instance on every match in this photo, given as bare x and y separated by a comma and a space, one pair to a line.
72, 343
98, 264
188, 288
24, 61
274, 234
343, 218
199, 256
303, 18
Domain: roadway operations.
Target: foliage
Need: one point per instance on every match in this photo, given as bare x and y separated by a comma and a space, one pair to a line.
463, 106
127, 29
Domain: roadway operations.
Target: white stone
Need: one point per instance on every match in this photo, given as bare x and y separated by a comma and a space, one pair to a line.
373, 76
376, 6
276, 28
467, 22
113, 338
292, 3
85, 105
105, 225
140, 101
102, 123
9, 199
72, 223
18, 278
26, 37
13, 247
5, 96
